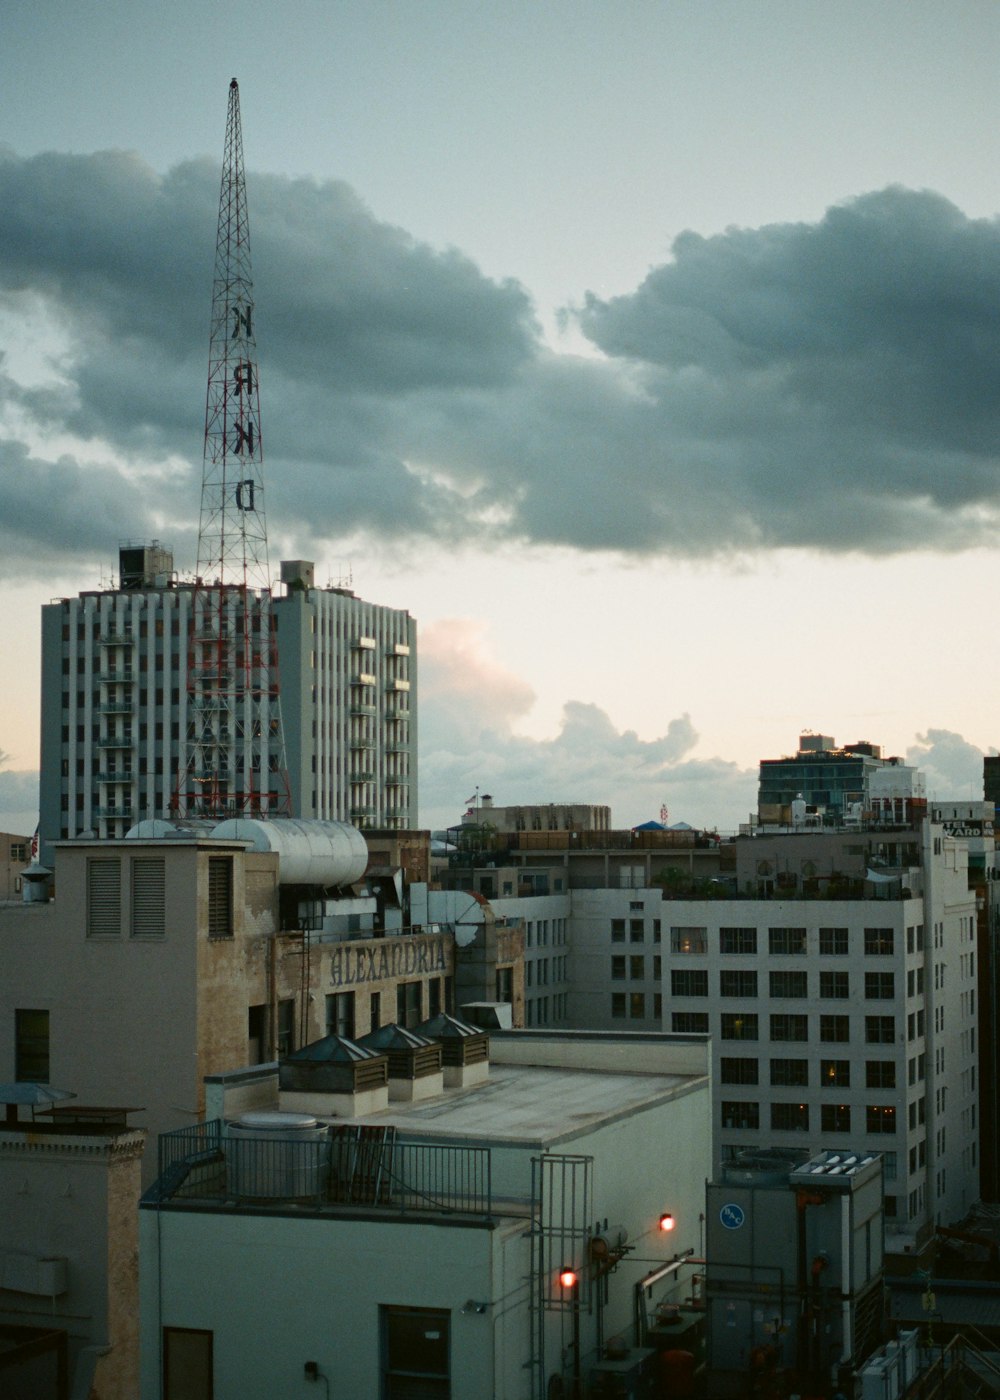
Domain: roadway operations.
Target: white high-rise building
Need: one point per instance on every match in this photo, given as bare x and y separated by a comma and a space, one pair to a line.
115, 701
838, 972
843, 1006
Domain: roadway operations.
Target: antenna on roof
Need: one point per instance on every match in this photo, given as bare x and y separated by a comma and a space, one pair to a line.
235, 759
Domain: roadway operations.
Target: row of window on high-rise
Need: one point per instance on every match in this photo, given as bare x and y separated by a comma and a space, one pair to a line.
744, 1114
792, 942
745, 1025
545, 1010
795, 1073
739, 982
541, 971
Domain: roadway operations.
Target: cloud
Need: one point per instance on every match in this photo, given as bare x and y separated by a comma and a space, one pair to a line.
826, 385
65, 508
469, 706
18, 800
952, 765
458, 674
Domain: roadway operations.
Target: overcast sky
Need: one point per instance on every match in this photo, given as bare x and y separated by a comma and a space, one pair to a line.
648, 352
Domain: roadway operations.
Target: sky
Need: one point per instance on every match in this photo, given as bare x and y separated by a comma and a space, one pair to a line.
647, 351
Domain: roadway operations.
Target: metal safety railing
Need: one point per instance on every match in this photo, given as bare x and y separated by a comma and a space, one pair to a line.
347, 1167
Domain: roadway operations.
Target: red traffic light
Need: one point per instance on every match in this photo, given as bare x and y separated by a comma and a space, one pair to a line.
667, 1221
568, 1277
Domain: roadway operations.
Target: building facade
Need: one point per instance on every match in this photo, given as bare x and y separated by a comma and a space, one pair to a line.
851, 1018
836, 785
115, 713
162, 961
546, 816
349, 703
440, 1269
69, 1255
15, 854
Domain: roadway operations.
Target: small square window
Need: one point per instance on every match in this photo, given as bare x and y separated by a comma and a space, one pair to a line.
834, 986
788, 984
689, 1022
880, 1074
739, 1025
833, 942
789, 1027
790, 1117
689, 982
880, 986
737, 1114
737, 1070
739, 982
835, 1074
835, 1028
786, 941
790, 1073
835, 1117
879, 942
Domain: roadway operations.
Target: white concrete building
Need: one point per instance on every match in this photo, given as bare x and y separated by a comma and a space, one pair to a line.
545, 921
833, 1020
115, 701
422, 1253
349, 703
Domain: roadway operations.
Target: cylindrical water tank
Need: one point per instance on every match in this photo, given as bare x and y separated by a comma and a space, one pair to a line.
310, 852
159, 829
276, 1155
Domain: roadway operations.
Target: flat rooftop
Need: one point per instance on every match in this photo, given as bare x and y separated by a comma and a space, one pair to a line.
532, 1105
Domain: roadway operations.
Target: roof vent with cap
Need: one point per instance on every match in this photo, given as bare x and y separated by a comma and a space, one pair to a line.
414, 1061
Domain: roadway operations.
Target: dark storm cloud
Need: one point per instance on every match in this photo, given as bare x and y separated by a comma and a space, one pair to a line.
836, 380
64, 510
828, 385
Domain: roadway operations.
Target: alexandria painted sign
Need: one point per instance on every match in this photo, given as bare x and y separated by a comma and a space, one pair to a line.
379, 960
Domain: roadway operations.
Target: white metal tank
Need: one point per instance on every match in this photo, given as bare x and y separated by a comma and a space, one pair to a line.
276, 1155
159, 829
310, 852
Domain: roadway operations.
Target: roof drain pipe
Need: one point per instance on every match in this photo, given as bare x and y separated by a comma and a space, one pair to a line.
648, 1283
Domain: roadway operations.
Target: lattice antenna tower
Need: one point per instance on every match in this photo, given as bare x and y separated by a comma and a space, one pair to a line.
235, 758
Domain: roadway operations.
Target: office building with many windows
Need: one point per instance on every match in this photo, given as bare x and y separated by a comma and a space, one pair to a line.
826, 785
115, 689
843, 1007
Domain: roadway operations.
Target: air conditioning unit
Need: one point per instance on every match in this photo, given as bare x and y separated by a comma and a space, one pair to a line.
30, 1273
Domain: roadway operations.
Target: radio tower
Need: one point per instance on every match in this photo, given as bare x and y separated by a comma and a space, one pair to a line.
234, 762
